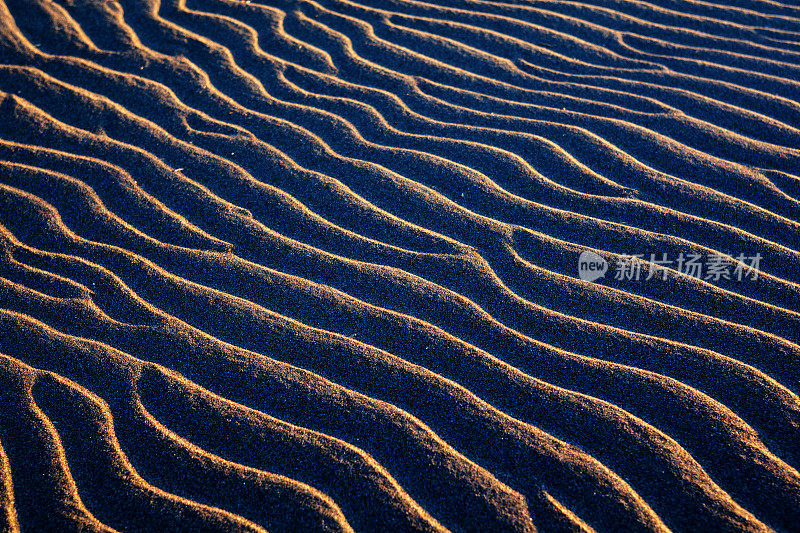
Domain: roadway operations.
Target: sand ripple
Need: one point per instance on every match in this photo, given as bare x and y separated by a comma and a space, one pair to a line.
312, 265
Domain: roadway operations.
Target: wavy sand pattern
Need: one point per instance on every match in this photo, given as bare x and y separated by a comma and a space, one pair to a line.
312, 265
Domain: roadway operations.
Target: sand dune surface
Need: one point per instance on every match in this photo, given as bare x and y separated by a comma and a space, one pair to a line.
335, 265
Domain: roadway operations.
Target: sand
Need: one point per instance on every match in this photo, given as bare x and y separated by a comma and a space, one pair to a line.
313, 265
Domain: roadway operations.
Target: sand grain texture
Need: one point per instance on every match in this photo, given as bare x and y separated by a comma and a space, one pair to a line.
311, 265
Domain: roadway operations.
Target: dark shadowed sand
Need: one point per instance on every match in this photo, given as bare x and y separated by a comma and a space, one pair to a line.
313, 265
